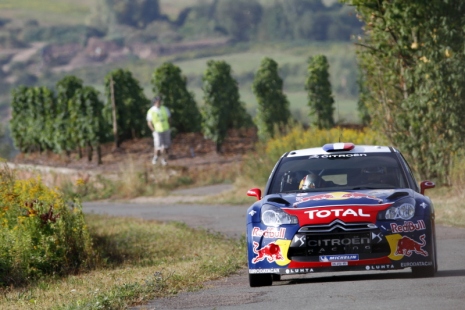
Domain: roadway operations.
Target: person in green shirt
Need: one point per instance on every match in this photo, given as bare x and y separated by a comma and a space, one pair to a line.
158, 120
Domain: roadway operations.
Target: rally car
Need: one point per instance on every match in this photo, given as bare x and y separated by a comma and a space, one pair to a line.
340, 207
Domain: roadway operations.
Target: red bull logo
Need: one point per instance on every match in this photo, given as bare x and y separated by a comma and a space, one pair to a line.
271, 252
337, 196
408, 226
317, 197
359, 196
406, 246
269, 232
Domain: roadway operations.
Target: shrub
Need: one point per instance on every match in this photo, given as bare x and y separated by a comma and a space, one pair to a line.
40, 234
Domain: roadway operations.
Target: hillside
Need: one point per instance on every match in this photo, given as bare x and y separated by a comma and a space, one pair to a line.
43, 41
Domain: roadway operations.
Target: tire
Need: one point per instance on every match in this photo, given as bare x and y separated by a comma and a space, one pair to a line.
257, 280
428, 271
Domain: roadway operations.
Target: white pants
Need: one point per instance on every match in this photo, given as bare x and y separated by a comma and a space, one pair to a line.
162, 140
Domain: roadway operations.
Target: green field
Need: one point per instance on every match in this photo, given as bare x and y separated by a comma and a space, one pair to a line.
46, 12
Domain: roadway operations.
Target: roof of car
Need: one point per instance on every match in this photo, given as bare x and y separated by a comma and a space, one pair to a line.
357, 149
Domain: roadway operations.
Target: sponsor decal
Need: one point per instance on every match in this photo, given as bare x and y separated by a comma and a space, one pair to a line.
252, 213
337, 196
336, 264
379, 267
408, 226
349, 213
300, 239
316, 197
337, 156
299, 270
337, 241
270, 232
376, 237
272, 252
416, 264
338, 258
269, 270
406, 246
336, 212
423, 205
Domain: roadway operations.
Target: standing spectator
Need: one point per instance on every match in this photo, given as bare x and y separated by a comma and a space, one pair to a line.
158, 119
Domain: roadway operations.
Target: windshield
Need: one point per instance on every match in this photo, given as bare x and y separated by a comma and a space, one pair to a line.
322, 172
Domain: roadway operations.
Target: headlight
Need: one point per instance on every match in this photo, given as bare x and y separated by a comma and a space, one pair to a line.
405, 212
274, 216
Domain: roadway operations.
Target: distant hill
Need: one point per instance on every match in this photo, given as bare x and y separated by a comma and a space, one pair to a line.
43, 40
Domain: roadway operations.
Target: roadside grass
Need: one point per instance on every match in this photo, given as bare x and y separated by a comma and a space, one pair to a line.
133, 179
449, 201
138, 261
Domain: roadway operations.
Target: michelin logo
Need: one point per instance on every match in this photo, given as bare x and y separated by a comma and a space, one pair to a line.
338, 258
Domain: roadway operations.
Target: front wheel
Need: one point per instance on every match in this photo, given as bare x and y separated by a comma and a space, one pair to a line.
256, 280
428, 271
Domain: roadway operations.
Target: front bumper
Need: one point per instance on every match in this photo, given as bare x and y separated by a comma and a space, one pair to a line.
385, 245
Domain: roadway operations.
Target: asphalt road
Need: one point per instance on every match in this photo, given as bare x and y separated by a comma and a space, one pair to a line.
343, 290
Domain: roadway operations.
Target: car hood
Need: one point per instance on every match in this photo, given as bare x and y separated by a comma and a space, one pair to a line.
348, 206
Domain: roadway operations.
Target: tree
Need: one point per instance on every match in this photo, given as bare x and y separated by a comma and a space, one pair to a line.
65, 133
19, 123
33, 116
412, 55
239, 18
318, 86
131, 105
363, 97
223, 109
273, 106
88, 122
5, 145
168, 81
135, 13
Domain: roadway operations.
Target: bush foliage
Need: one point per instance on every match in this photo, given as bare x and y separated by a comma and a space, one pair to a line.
413, 62
40, 234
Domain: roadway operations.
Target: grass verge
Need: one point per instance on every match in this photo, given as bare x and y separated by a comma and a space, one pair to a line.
138, 261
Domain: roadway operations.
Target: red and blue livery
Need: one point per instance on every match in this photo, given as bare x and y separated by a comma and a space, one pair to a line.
341, 207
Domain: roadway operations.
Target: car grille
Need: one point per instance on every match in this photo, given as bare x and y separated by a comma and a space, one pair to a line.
313, 241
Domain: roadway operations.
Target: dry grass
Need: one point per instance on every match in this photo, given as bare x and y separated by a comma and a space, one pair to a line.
449, 204
138, 263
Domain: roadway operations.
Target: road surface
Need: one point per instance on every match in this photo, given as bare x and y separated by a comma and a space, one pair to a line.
343, 290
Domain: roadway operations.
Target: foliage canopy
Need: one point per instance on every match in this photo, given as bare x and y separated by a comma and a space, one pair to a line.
413, 59
223, 109
168, 81
318, 86
273, 106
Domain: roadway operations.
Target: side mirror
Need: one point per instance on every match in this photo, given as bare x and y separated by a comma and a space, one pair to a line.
426, 185
255, 192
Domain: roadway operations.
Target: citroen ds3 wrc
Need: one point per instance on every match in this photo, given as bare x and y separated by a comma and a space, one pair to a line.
340, 207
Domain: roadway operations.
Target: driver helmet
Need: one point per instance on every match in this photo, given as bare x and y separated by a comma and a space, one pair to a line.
373, 174
309, 181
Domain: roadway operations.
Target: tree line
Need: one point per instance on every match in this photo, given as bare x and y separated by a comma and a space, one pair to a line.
412, 62
75, 117
242, 20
